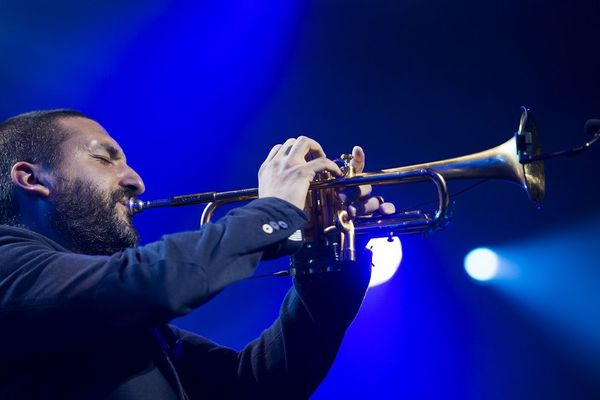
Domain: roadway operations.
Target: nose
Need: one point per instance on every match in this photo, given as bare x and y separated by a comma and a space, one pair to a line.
132, 180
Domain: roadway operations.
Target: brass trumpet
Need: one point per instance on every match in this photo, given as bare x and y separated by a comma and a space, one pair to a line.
518, 160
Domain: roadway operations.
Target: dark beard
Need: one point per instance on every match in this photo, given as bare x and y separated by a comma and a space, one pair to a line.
88, 218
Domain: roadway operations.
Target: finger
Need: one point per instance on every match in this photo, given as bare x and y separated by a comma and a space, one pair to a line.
387, 208
304, 146
371, 206
354, 193
358, 159
367, 207
323, 164
273, 152
352, 211
285, 148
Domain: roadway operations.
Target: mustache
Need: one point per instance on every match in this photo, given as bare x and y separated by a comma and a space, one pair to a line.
120, 194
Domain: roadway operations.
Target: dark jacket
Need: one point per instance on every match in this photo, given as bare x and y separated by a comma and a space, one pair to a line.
74, 326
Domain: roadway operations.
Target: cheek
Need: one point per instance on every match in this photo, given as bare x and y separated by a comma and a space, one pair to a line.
94, 175
85, 170
77, 169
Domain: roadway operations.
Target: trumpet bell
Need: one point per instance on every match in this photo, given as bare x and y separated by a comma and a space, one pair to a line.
528, 144
507, 162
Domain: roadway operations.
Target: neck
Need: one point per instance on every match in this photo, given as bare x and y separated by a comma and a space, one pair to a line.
37, 217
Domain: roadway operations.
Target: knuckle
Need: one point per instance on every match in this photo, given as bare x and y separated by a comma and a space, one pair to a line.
301, 140
300, 171
304, 172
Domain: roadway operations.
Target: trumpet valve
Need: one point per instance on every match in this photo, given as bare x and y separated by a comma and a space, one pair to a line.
347, 167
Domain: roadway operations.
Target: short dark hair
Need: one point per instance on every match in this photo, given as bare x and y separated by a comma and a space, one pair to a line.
34, 137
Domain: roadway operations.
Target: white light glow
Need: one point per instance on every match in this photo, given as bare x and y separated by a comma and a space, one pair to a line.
386, 259
482, 264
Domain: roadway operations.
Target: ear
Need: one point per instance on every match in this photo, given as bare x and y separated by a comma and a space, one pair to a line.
31, 178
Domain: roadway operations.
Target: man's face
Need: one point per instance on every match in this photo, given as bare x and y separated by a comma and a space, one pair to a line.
90, 190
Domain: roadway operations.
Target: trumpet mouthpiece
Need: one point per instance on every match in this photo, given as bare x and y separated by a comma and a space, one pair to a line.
135, 205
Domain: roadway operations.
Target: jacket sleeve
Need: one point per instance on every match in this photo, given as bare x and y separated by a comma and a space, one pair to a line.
290, 358
54, 301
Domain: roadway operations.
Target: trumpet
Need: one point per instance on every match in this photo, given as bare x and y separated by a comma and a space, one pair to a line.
518, 160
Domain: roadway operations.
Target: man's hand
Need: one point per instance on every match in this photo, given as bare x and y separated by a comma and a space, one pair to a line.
360, 197
287, 174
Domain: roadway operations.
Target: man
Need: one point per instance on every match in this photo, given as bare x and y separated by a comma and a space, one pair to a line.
83, 312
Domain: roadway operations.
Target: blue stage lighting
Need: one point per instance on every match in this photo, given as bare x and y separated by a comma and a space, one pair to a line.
387, 255
482, 264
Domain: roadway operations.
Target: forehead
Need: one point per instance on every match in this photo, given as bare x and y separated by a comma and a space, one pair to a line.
87, 134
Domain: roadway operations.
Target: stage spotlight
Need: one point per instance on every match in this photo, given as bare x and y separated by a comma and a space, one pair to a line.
387, 254
482, 264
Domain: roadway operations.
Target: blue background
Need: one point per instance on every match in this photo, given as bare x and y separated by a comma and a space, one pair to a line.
197, 92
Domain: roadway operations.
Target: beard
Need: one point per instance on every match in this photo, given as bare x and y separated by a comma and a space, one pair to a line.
88, 218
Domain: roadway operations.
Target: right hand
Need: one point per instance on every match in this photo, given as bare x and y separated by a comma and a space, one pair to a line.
286, 173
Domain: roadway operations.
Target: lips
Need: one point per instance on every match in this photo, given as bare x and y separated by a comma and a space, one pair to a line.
125, 204
123, 197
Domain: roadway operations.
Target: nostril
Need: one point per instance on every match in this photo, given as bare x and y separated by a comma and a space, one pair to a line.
133, 190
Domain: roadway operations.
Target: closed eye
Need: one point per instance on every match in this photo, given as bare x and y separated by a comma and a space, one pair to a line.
103, 160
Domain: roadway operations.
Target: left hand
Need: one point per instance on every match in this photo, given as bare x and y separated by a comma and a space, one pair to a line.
359, 197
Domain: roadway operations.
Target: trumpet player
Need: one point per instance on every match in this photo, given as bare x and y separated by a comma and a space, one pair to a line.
85, 311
